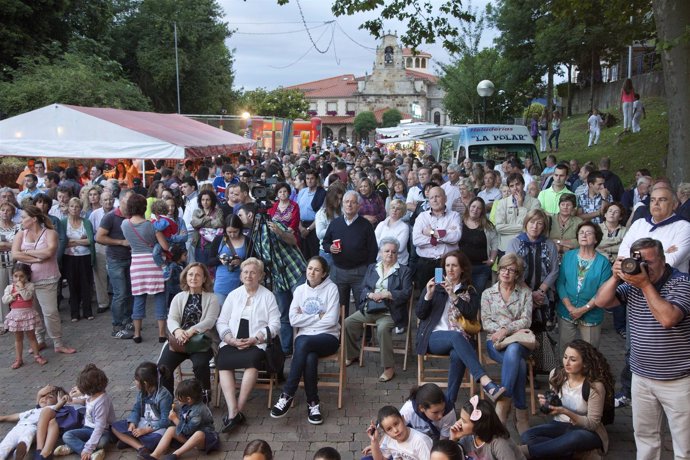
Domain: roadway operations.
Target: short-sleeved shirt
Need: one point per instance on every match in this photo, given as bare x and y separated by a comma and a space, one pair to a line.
141, 236
112, 223
416, 446
656, 352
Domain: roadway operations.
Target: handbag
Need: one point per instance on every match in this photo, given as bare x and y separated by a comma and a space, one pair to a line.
275, 358
372, 306
524, 337
470, 326
198, 343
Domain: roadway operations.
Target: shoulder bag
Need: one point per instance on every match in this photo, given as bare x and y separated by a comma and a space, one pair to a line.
275, 358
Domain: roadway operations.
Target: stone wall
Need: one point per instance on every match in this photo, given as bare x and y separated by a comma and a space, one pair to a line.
607, 96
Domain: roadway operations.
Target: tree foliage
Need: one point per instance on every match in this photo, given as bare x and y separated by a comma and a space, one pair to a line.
70, 78
427, 20
364, 123
285, 103
390, 118
145, 45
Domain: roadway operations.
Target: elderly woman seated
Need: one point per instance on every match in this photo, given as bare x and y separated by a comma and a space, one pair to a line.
193, 311
246, 315
386, 290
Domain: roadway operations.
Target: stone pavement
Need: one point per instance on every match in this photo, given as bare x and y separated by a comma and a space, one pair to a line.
291, 437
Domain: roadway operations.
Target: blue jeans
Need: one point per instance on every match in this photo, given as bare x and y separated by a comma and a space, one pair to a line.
284, 299
462, 354
75, 439
557, 440
159, 302
305, 361
121, 305
481, 275
327, 256
619, 314
513, 370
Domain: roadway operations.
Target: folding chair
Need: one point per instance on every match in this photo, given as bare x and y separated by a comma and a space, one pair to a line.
398, 351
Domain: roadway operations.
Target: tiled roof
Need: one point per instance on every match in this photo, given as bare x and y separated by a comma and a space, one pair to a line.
421, 75
408, 52
338, 86
345, 120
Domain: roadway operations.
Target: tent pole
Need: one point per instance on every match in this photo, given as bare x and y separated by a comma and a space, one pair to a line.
177, 68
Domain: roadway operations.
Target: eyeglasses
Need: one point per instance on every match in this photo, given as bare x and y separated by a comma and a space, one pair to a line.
510, 271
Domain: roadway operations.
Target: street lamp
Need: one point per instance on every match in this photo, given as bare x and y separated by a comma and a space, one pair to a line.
485, 89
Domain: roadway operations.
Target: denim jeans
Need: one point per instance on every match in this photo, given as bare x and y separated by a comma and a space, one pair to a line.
121, 305
75, 439
481, 275
462, 355
556, 440
305, 361
513, 370
327, 256
159, 299
619, 314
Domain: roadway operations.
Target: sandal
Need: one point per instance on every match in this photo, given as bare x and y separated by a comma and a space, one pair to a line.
386, 377
493, 391
17, 364
40, 360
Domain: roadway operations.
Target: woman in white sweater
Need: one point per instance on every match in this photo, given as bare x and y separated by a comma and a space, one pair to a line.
246, 315
314, 312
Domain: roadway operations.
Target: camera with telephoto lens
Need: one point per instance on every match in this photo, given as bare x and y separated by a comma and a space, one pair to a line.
632, 265
552, 400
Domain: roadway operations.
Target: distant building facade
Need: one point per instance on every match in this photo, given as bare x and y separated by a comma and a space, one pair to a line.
399, 80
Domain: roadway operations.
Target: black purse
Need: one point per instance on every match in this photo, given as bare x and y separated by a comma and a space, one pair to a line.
373, 307
275, 358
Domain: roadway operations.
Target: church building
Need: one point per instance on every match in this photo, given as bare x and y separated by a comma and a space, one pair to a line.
400, 80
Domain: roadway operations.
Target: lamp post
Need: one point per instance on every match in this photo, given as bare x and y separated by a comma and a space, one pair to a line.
485, 89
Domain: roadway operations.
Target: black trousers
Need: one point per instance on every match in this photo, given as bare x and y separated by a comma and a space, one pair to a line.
310, 244
80, 281
425, 270
172, 360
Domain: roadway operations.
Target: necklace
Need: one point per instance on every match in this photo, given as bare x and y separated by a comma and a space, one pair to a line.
474, 441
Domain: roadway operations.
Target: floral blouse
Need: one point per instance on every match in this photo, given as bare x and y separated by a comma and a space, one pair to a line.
514, 315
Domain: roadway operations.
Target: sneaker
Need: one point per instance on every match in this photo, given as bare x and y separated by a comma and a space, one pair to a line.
230, 424
61, 451
314, 414
282, 406
98, 454
129, 326
620, 400
623, 334
206, 397
399, 330
143, 453
123, 334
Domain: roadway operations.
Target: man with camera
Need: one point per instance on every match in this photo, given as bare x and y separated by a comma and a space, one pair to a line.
658, 301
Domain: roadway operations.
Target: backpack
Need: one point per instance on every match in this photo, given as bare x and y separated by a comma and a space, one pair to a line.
609, 407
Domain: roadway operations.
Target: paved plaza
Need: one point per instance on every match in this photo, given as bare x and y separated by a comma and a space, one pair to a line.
291, 437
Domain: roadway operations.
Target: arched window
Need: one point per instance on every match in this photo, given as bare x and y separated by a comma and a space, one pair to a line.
423, 63
437, 118
408, 62
416, 63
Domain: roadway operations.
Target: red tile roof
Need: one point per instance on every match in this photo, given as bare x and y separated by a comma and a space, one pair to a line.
408, 52
417, 75
339, 86
341, 120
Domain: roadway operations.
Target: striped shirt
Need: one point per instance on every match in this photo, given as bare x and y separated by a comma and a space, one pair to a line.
655, 352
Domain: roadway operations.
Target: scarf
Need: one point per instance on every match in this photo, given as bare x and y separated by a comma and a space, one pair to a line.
536, 254
668, 221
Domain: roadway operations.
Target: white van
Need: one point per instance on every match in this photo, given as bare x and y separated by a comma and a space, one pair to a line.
483, 142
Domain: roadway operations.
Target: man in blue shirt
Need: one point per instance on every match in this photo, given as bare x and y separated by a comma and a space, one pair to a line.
310, 199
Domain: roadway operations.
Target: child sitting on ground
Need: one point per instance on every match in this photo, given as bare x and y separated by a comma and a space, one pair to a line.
427, 411
22, 435
148, 420
327, 453
398, 440
90, 440
193, 424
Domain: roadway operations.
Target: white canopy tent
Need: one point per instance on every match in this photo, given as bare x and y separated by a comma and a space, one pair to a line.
67, 131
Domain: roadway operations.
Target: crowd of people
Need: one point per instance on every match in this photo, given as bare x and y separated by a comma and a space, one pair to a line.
257, 255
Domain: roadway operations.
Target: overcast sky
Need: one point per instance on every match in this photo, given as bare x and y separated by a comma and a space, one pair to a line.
272, 48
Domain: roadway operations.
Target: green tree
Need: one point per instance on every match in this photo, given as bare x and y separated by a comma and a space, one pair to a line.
285, 103
364, 123
144, 44
390, 118
72, 78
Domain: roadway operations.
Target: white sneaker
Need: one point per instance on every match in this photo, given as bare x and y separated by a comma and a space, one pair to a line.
98, 455
61, 451
314, 414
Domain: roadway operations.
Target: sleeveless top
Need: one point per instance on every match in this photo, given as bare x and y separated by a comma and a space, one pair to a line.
44, 272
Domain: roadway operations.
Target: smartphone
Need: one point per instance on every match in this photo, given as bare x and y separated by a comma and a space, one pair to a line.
438, 275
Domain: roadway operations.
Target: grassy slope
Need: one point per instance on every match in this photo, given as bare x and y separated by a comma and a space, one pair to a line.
628, 152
